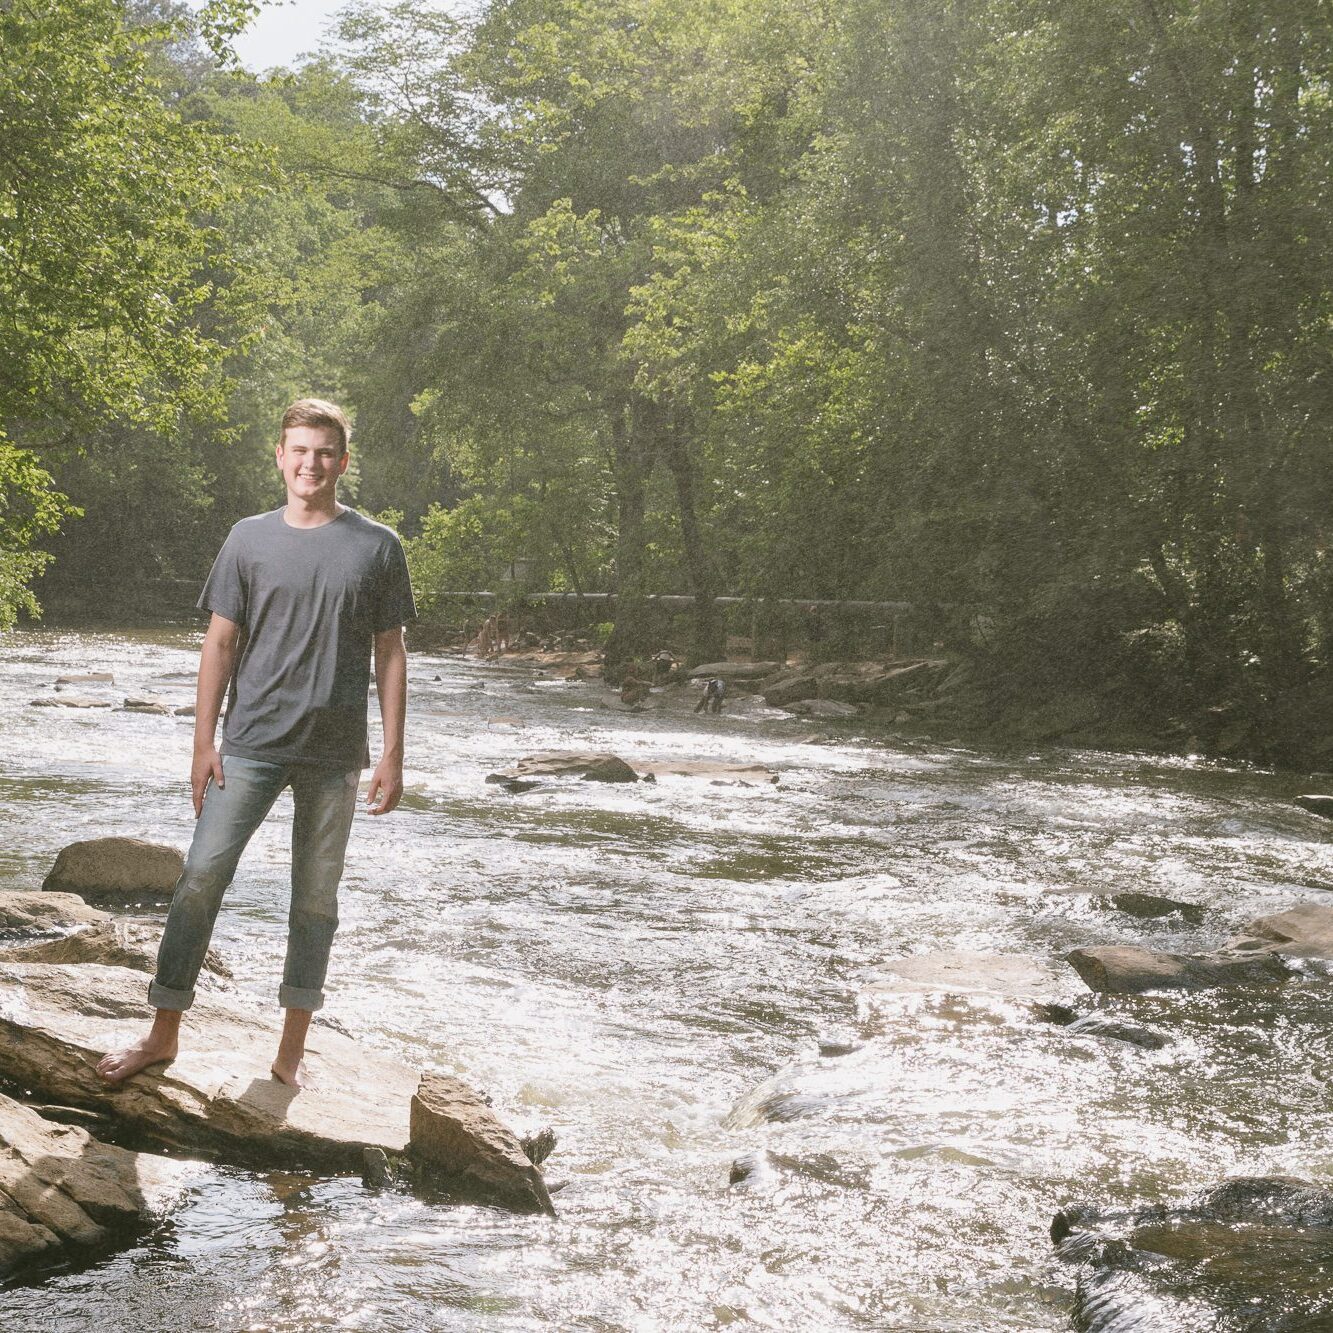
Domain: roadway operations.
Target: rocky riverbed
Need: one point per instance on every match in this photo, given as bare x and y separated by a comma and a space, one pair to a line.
832, 1051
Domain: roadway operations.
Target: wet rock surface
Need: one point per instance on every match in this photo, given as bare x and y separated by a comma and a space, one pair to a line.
1254, 1253
117, 868
1123, 969
457, 1140
594, 766
60, 1188
116, 943
24, 912
962, 972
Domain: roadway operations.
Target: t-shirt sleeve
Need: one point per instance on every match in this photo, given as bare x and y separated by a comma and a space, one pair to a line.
394, 604
225, 590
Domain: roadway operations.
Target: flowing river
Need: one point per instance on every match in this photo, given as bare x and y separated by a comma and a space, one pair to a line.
651, 970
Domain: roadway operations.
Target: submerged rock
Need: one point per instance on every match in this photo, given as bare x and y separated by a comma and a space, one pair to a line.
1251, 1253
88, 678
117, 868
1126, 969
70, 701
217, 1099
960, 972
1150, 907
460, 1141
61, 1188
1117, 1029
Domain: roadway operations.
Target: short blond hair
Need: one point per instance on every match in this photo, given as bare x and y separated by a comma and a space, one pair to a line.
317, 412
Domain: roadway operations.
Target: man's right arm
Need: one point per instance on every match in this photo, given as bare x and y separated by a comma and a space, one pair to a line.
215, 667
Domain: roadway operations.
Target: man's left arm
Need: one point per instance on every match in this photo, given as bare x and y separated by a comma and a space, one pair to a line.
386, 781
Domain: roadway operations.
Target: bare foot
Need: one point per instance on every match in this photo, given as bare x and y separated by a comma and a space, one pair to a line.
120, 1065
293, 1075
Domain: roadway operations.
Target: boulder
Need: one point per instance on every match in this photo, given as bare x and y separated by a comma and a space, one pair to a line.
115, 943
155, 706
217, 1099
29, 911
462, 1144
117, 868
1300, 932
70, 701
1317, 805
1126, 969
61, 1188
822, 708
1249, 1253
791, 691
592, 767
185, 710
88, 678
734, 671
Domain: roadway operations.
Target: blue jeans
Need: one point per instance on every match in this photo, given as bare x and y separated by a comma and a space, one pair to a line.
325, 801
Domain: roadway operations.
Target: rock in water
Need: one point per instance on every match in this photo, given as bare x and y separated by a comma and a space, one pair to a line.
1300, 932
593, 767
1317, 805
88, 678
376, 1172
1125, 969
113, 942
460, 1140
117, 868
60, 1187
539, 1146
1250, 1253
31, 911
70, 701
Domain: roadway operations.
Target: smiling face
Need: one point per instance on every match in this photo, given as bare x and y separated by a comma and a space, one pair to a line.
311, 459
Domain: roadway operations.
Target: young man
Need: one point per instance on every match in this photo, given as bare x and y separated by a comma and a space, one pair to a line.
300, 598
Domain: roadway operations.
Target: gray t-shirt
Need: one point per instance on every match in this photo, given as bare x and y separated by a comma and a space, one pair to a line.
310, 601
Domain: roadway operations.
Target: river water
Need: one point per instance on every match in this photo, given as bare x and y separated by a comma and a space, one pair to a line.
650, 970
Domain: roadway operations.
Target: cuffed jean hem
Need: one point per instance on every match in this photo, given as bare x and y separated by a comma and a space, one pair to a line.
163, 997
294, 997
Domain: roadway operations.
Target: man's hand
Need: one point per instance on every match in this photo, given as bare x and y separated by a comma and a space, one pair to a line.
207, 764
386, 782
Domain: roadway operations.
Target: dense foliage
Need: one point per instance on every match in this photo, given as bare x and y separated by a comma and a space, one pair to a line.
1015, 309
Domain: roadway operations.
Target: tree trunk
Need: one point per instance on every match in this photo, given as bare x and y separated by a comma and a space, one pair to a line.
634, 444
708, 637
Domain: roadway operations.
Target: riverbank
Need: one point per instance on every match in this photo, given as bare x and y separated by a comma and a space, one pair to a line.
967, 701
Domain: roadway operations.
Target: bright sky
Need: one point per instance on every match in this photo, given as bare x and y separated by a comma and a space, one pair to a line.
285, 31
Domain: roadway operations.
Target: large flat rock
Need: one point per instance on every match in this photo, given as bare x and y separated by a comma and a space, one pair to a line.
218, 1099
1127, 969
1013, 975
60, 1187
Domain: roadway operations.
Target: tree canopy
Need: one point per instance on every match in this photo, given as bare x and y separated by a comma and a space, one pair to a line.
1001, 306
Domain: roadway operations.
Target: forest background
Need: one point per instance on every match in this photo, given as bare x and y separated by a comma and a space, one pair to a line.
1016, 311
